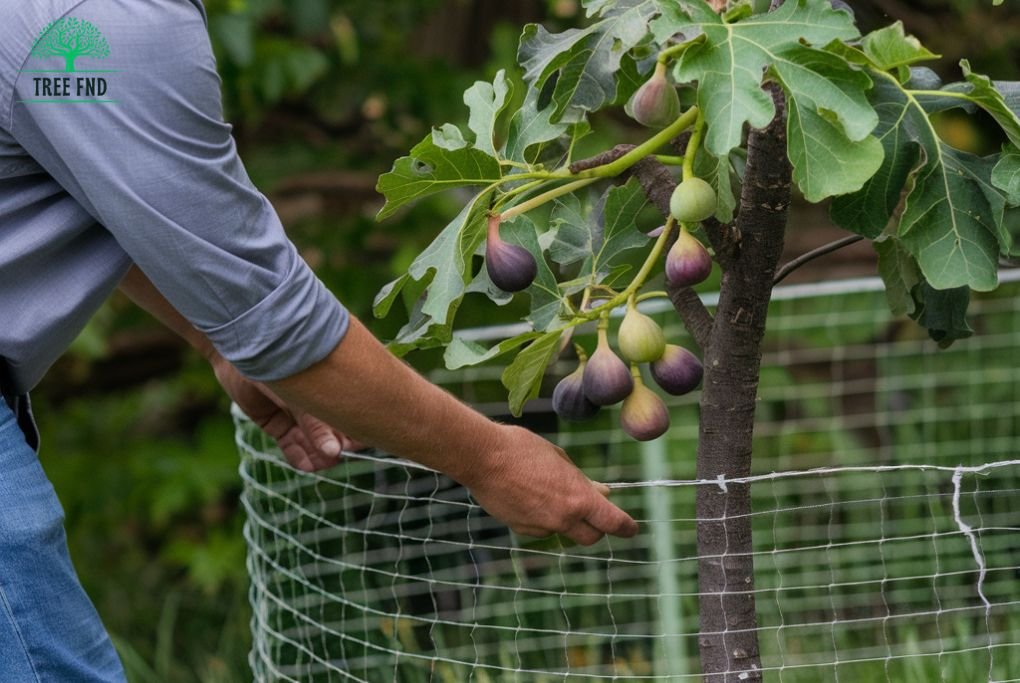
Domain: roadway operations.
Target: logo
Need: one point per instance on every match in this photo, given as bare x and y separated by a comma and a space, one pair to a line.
77, 42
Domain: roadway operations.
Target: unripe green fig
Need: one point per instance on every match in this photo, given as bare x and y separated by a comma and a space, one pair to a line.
606, 378
644, 415
678, 371
688, 262
568, 397
692, 201
640, 338
512, 268
655, 104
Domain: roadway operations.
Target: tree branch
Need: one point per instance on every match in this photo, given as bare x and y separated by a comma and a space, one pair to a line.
600, 159
812, 255
692, 311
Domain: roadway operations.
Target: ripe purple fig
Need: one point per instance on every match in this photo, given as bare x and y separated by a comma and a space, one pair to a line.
688, 262
678, 371
512, 268
606, 378
640, 338
693, 201
644, 416
568, 397
655, 104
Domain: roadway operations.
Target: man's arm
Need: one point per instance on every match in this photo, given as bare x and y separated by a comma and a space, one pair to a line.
362, 389
516, 475
308, 444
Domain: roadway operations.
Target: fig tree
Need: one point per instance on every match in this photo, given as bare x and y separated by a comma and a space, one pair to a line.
678, 371
688, 262
655, 104
644, 415
512, 268
568, 397
606, 378
640, 338
692, 201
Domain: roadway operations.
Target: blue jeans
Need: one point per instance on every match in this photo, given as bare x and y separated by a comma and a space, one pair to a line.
49, 630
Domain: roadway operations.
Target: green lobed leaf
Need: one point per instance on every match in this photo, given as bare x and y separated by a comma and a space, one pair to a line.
729, 61
1006, 174
829, 123
573, 236
585, 59
952, 220
486, 101
986, 95
900, 273
943, 313
433, 167
449, 136
445, 265
889, 48
618, 231
523, 377
598, 235
530, 126
463, 352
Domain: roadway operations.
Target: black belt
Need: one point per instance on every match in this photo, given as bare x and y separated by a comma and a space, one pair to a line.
20, 405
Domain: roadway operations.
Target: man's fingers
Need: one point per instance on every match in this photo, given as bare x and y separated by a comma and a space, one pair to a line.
584, 533
276, 424
601, 488
322, 437
610, 519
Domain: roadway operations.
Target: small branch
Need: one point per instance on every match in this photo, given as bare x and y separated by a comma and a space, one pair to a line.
692, 311
600, 159
796, 263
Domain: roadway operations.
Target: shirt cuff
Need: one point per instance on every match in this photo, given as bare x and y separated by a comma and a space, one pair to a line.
295, 326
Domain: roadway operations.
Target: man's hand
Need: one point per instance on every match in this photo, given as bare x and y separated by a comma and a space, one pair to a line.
532, 486
308, 444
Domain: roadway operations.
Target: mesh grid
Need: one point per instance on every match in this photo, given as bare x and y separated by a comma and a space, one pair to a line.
884, 517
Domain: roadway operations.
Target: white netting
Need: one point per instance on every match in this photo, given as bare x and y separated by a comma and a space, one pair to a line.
885, 520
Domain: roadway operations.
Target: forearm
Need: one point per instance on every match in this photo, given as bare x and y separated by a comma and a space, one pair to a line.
139, 289
378, 399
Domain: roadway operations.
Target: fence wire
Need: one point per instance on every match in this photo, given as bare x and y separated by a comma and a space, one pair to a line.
885, 522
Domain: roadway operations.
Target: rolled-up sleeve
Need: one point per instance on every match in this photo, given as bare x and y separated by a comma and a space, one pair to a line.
155, 164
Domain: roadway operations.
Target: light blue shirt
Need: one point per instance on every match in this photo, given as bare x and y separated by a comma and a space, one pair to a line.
126, 159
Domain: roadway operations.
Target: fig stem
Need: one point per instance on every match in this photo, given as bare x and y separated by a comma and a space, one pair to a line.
659, 294
510, 194
692, 146
669, 159
541, 199
675, 51
582, 355
635, 372
613, 168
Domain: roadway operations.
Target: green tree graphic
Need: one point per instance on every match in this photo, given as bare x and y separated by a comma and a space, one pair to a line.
71, 38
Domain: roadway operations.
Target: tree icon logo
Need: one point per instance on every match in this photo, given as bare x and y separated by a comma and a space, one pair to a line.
71, 38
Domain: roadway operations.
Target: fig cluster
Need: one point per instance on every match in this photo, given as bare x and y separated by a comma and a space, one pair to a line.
606, 379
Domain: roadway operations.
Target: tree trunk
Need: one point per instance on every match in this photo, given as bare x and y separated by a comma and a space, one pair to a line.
69, 63
728, 640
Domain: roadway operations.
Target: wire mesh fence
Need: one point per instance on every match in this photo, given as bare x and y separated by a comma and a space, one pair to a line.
885, 522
